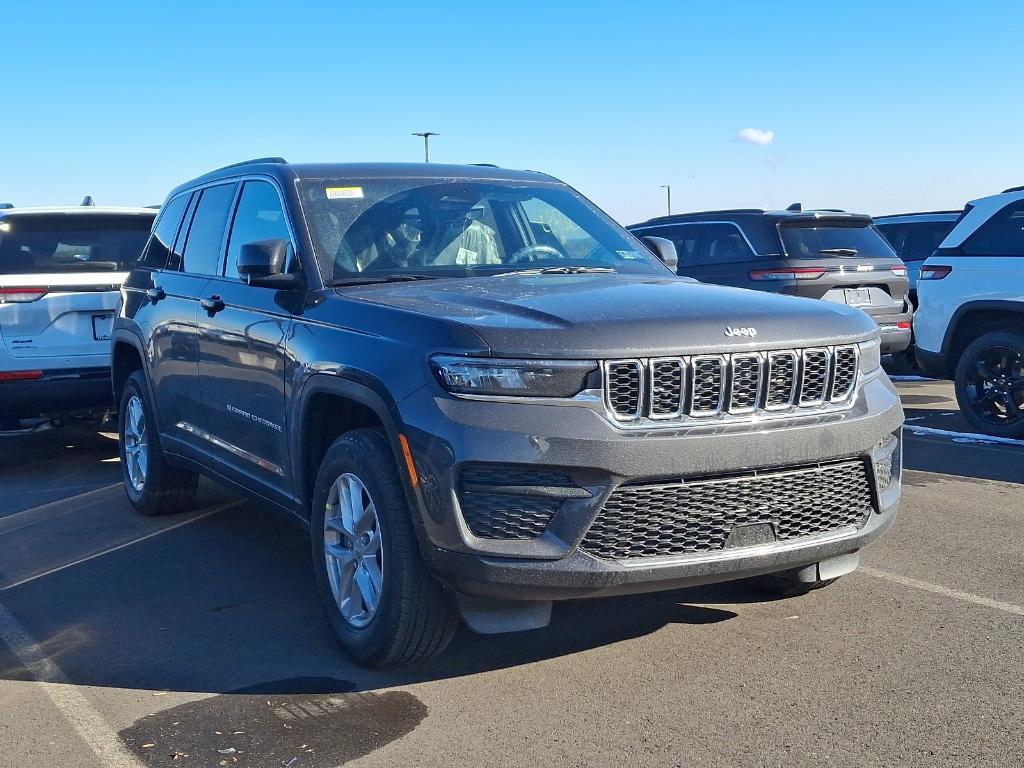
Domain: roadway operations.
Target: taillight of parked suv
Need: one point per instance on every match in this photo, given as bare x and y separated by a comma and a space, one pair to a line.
934, 271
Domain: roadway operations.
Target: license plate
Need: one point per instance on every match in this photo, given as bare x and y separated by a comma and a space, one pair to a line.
102, 325
858, 297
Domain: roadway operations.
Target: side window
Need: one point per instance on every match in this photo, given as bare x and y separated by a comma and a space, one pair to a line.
898, 236
1002, 235
685, 240
925, 238
722, 244
206, 235
162, 239
259, 216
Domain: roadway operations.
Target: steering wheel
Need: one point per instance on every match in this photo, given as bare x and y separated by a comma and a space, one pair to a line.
530, 253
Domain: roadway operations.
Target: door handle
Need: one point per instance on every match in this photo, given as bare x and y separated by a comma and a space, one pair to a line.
212, 304
155, 294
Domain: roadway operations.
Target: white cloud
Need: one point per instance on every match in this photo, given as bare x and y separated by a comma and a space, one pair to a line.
756, 136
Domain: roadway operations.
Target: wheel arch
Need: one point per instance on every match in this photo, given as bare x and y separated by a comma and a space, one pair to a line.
126, 355
319, 421
974, 318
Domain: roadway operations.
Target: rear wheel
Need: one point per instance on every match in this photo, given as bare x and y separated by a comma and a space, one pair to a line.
381, 603
153, 486
989, 384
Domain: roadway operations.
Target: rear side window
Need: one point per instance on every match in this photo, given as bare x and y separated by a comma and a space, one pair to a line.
925, 238
67, 242
898, 236
166, 230
206, 235
1001, 235
259, 216
723, 244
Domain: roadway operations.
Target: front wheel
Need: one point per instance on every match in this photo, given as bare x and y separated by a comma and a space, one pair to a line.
989, 383
381, 603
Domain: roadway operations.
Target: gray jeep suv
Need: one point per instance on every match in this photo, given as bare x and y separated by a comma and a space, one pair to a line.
482, 395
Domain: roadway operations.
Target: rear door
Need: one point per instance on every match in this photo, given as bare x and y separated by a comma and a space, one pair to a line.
60, 274
724, 256
845, 260
173, 335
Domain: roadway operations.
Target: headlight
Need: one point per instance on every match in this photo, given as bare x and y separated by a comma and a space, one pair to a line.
526, 378
870, 356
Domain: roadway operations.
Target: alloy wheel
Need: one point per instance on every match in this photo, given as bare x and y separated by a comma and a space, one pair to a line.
136, 443
995, 385
352, 546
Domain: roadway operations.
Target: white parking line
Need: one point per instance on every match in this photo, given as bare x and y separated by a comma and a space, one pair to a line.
973, 437
52, 509
89, 724
150, 535
938, 589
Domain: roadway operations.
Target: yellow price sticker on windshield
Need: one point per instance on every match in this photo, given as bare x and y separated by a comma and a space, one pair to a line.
344, 193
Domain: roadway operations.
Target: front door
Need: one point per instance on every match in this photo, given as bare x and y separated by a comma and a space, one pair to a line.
242, 335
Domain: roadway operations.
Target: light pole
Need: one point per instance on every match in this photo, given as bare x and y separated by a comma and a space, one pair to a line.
426, 143
668, 195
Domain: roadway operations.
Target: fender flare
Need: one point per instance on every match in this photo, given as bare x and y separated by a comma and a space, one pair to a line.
369, 392
995, 305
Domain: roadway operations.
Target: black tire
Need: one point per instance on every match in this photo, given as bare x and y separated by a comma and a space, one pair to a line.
785, 584
993, 405
414, 618
165, 489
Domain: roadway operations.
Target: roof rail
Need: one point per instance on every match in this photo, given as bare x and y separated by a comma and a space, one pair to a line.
88, 202
1013, 189
254, 161
485, 165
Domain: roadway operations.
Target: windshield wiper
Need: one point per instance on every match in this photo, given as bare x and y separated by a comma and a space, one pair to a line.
575, 270
840, 251
365, 279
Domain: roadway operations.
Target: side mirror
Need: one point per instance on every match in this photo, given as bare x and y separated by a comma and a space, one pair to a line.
664, 249
262, 263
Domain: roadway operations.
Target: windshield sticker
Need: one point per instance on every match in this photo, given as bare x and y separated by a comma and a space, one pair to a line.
344, 193
632, 255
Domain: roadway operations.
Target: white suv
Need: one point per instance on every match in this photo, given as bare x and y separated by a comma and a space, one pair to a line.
970, 322
61, 271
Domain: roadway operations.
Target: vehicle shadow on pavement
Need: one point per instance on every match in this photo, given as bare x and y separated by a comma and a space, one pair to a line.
227, 602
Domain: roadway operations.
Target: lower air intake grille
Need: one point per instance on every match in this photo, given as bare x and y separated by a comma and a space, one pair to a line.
507, 502
696, 516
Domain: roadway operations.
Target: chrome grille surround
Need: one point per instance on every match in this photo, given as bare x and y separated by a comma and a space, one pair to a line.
845, 365
667, 391
745, 383
781, 380
667, 387
624, 388
707, 386
814, 370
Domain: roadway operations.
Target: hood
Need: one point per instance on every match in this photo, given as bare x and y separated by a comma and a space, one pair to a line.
604, 316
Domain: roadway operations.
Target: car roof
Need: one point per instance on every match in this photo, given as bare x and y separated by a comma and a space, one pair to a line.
286, 172
924, 216
736, 214
84, 210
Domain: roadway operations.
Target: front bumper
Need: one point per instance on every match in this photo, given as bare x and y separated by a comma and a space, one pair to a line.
446, 433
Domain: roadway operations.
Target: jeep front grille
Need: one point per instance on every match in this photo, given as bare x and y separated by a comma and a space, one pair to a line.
699, 515
670, 389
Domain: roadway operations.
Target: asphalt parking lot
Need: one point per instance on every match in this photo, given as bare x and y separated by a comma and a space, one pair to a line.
196, 639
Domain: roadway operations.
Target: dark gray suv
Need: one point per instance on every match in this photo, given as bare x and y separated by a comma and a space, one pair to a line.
830, 255
482, 395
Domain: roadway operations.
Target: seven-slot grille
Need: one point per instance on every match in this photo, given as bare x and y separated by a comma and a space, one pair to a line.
698, 515
666, 388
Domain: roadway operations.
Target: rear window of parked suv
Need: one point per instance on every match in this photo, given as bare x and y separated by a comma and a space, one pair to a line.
813, 239
49, 244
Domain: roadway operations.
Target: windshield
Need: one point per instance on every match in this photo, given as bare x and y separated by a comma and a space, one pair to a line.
52, 243
814, 239
374, 229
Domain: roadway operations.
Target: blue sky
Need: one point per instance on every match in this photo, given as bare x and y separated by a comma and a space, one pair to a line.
875, 106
